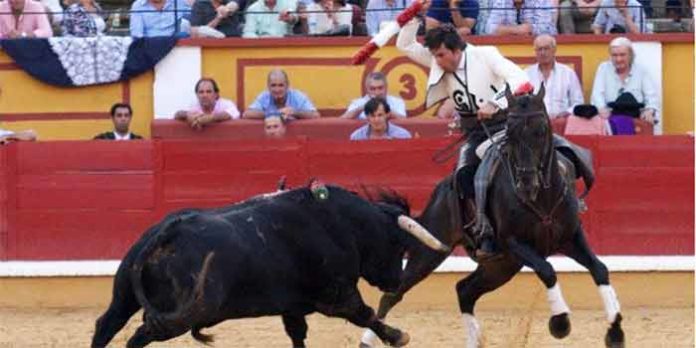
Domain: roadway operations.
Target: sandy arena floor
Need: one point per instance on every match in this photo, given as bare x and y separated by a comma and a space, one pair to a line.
658, 309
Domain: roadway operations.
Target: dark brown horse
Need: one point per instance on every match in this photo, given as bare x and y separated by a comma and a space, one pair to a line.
534, 210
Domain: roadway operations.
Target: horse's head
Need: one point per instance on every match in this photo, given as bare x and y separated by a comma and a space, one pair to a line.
528, 142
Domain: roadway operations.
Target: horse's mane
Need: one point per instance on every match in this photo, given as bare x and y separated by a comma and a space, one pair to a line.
387, 196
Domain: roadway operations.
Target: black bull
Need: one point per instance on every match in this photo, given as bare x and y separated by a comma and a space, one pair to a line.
288, 254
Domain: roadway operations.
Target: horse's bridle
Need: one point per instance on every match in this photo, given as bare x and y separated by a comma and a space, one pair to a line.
544, 169
544, 172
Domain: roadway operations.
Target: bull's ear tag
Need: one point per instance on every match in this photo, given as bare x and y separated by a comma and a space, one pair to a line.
319, 190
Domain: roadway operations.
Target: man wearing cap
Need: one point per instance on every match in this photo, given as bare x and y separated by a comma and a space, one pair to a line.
475, 79
620, 74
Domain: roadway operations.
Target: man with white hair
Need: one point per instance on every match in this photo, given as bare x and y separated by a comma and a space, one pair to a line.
563, 90
619, 75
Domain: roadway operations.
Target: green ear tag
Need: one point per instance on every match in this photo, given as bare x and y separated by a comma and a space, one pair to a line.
320, 192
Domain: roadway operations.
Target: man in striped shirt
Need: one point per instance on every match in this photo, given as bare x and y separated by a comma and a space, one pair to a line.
563, 89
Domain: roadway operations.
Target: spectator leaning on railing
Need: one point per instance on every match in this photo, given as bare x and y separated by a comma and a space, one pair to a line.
460, 13
209, 108
521, 17
216, 18
576, 16
270, 18
150, 18
330, 17
82, 18
281, 100
380, 11
375, 86
620, 16
22, 19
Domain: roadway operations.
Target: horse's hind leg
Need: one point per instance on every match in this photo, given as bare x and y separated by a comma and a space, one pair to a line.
486, 278
580, 251
559, 324
421, 263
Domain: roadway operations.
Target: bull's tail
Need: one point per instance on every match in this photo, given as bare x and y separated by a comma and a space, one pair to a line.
201, 337
171, 321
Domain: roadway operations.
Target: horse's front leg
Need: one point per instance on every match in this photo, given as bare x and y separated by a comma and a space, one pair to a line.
559, 324
487, 277
580, 251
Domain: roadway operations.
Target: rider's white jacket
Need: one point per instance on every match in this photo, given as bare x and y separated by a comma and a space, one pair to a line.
482, 70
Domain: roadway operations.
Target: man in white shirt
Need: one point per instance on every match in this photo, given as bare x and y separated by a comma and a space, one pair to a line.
563, 89
375, 86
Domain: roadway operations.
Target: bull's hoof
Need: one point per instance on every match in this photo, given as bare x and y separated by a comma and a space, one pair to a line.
363, 345
615, 335
559, 325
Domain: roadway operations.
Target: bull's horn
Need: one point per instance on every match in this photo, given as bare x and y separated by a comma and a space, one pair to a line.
411, 226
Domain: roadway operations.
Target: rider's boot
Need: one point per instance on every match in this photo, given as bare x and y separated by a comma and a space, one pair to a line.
486, 242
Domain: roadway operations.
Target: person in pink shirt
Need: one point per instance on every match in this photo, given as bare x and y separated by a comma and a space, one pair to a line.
209, 108
23, 18
585, 120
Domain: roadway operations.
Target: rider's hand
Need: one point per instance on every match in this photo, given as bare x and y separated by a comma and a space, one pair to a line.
486, 111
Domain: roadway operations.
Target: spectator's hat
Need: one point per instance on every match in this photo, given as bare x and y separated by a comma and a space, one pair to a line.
585, 111
626, 104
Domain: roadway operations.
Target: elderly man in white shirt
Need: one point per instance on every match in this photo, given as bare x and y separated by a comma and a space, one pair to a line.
563, 90
619, 75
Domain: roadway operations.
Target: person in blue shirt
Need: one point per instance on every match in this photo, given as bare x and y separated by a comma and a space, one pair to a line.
460, 13
378, 125
151, 18
281, 100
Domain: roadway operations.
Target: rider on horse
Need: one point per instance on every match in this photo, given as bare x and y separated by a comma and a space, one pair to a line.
475, 79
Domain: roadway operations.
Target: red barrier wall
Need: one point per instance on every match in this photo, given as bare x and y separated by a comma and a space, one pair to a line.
91, 200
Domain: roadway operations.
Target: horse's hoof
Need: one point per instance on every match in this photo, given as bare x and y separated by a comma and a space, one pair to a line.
615, 335
559, 325
402, 341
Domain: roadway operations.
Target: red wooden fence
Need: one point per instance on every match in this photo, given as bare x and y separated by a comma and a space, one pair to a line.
91, 200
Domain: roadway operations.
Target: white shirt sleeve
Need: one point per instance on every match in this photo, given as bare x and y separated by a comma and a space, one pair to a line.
230, 108
398, 106
599, 86
406, 43
576, 95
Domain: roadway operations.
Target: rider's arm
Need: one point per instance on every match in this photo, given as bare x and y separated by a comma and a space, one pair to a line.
512, 74
406, 43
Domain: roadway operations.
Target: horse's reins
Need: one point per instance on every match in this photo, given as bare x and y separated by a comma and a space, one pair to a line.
444, 154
